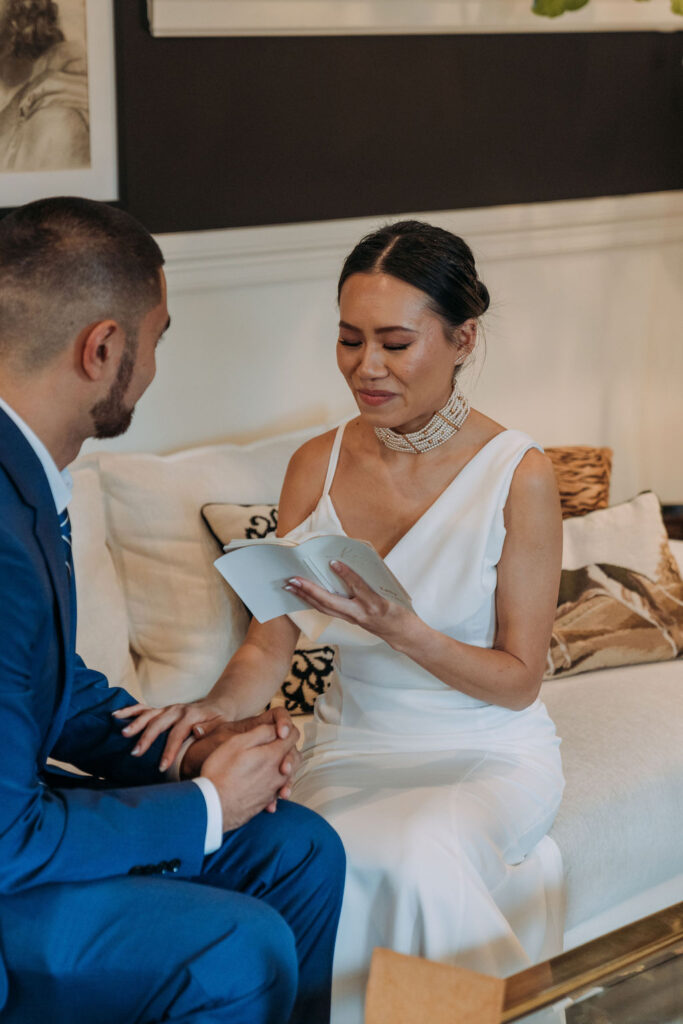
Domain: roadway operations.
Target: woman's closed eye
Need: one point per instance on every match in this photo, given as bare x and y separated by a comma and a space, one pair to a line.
390, 348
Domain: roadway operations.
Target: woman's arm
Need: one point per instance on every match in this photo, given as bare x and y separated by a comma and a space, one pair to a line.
510, 673
256, 670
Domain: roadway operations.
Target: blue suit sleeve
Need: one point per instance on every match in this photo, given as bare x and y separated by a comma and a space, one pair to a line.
62, 835
91, 739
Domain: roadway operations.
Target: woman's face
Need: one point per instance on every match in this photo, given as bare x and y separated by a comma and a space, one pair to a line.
394, 352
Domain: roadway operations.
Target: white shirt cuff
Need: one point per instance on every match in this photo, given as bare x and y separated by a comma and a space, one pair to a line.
214, 815
214, 812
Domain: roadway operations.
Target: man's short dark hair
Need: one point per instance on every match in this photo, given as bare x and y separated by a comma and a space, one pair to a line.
66, 263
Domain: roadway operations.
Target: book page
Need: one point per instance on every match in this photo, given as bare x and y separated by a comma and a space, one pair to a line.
318, 552
258, 571
258, 574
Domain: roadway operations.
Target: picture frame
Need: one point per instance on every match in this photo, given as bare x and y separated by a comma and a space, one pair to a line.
99, 180
388, 17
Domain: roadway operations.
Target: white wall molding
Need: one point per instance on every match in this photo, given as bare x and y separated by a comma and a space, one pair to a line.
238, 257
351, 17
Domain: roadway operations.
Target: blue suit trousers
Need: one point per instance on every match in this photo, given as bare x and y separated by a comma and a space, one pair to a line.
248, 941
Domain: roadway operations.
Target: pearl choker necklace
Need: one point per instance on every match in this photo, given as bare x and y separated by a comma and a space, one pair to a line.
441, 427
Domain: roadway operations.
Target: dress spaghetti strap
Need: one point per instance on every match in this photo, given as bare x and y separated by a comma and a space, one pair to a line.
334, 458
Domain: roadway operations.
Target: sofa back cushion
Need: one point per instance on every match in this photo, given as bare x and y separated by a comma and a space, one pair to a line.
183, 622
102, 638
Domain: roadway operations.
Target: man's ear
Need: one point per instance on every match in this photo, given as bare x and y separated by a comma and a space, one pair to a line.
99, 349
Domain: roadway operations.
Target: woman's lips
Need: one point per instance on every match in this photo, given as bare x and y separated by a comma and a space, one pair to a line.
375, 397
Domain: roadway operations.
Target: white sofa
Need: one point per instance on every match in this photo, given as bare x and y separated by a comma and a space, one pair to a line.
155, 616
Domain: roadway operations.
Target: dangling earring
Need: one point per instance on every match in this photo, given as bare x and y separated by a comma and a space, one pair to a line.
441, 427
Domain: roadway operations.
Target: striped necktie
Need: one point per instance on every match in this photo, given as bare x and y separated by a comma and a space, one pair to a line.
65, 530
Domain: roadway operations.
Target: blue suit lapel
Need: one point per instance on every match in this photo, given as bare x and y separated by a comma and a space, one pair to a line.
23, 467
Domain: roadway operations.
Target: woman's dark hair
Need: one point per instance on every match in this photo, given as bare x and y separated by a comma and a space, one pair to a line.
31, 28
437, 262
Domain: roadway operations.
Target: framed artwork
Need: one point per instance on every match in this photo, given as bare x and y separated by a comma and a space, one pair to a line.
365, 17
57, 100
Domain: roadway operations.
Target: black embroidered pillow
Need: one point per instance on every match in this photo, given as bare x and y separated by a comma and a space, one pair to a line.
312, 665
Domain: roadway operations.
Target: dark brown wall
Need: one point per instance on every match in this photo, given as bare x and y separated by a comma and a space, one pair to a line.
227, 132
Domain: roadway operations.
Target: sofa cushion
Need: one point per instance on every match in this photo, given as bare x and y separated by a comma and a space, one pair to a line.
620, 824
184, 623
621, 594
102, 635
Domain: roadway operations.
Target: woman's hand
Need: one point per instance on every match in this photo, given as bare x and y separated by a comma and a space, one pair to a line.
364, 607
183, 720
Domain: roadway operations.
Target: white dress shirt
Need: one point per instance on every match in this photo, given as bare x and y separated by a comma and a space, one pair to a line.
61, 486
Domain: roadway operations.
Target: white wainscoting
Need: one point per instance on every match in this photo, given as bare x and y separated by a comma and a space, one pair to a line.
584, 338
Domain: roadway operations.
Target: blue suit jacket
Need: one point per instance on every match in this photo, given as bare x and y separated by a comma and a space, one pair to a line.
56, 827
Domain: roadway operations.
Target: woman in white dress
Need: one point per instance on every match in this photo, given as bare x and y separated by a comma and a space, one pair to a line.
431, 753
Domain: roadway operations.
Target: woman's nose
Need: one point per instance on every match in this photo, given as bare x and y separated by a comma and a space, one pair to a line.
372, 362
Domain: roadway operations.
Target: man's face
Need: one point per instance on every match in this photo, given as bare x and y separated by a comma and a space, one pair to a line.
112, 415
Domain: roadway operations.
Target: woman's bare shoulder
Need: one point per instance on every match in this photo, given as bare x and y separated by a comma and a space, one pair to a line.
304, 481
533, 486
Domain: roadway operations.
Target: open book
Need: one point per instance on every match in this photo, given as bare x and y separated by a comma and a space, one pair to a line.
258, 570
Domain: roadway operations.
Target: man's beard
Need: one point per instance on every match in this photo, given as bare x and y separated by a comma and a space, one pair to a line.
110, 416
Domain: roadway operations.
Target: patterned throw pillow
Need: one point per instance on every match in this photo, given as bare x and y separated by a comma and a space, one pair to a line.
583, 475
621, 594
312, 666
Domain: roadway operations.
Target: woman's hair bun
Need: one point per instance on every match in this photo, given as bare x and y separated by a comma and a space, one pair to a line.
483, 293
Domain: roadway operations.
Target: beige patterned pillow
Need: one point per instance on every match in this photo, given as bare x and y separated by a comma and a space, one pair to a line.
583, 474
621, 594
312, 665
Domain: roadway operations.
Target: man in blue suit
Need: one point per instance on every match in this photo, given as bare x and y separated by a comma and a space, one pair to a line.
124, 896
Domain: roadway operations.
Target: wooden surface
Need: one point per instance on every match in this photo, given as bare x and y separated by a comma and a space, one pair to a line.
594, 962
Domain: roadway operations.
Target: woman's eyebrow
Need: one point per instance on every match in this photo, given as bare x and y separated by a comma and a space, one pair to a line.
380, 330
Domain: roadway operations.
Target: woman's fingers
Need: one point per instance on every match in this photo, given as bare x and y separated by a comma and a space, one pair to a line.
131, 711
141, 722
205, 726
153, 728
319, 598
174, 741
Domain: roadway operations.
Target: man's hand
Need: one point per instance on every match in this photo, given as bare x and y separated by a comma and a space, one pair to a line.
212, 734
247, 770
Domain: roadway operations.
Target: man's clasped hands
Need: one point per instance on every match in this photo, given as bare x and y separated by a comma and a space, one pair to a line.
251, 762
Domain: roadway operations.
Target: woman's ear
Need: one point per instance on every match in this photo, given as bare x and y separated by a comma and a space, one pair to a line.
466, 336
100, 348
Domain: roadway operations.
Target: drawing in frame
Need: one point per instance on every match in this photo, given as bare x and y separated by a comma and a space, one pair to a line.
57, 100
354, 17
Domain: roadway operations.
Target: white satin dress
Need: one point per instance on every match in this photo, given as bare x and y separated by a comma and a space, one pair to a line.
442, 801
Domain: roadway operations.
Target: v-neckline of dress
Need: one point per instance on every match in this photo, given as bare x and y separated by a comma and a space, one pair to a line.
451, 483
